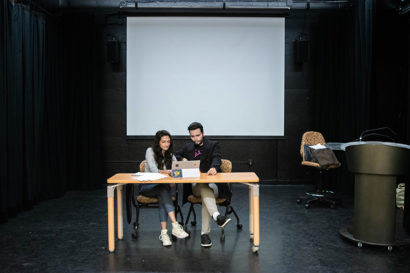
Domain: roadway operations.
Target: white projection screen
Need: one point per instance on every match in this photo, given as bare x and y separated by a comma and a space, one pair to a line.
225, 72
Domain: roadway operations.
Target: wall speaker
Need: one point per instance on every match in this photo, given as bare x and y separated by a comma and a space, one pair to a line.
113, 51
301, 48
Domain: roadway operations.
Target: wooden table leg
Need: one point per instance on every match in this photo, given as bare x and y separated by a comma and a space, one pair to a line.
120, 223
250, 213
255, 214
111, 228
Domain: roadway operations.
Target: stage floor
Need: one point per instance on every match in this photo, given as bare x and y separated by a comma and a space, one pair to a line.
69, 234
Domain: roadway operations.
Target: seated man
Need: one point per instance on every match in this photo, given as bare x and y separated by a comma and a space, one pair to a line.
208, 152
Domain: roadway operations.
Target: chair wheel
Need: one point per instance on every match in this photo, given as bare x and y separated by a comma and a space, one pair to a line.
193, 223
239, 226
298, 201
173, 238
134, 235
307, 206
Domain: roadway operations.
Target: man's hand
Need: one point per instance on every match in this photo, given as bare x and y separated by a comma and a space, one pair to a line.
212, 171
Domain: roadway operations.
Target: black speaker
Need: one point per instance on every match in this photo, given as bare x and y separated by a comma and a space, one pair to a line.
113, 51
301, 51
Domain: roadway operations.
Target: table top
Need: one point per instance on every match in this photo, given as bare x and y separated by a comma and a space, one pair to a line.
234, 177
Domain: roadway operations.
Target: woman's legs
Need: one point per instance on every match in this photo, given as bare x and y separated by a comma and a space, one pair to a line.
166, 209
166, 206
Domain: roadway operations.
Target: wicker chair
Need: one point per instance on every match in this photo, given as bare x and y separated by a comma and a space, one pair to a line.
139, 201
226, 167
320, 195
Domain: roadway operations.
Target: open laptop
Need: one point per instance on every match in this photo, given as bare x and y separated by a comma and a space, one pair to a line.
186, 168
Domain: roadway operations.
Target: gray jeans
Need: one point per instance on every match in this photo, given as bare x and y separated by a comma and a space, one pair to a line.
208, 204
163, 193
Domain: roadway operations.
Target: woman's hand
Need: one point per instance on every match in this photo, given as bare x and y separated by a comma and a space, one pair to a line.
167, 172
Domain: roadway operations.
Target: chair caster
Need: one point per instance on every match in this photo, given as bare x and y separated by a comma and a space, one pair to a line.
134, 235
359, 244
307, 206
239, 226
298, 201
390, 248
173, 238
193, 223
251, 237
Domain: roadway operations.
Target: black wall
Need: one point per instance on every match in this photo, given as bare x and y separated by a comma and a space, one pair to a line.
274, 160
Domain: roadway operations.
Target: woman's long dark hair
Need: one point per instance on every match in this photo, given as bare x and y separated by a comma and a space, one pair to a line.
160, 158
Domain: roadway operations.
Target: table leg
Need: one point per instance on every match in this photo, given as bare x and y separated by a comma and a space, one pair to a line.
250, 213
255, 214
111, 228
120, 223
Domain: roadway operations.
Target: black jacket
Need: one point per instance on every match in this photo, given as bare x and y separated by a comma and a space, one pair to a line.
210, 158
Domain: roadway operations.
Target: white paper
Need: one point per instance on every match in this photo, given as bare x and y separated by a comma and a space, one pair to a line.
318, 146
190, 173
149, 176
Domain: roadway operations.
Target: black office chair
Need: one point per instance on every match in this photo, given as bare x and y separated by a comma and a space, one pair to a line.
320, 195
138, 200
226, 167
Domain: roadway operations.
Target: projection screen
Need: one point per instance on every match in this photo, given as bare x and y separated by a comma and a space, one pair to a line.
225, 72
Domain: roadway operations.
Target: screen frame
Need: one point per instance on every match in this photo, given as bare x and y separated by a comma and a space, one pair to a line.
204, 12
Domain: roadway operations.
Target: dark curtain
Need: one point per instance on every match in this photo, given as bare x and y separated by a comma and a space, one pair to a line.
341, 77
341, 72
83, 100
49, 119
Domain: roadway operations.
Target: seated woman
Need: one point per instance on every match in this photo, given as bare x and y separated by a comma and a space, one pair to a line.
159, 158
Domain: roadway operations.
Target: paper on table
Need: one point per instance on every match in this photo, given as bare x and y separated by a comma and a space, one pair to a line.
318, 146
149, 176
190, 173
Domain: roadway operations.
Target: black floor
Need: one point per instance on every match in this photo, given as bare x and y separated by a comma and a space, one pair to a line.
70, 235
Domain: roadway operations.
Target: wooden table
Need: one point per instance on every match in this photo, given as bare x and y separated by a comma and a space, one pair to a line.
117, 181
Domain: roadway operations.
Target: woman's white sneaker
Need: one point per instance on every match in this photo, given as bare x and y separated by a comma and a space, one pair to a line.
164, 238
178, 231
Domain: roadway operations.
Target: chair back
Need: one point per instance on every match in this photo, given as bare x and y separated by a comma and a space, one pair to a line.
310, 138
142, 166
226, 166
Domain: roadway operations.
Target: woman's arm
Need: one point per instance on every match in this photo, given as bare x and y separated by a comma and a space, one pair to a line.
150, 165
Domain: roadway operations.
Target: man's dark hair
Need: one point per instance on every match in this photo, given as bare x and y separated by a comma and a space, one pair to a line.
195, 125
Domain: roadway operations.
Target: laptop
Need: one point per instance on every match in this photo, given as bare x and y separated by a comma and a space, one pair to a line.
186, 168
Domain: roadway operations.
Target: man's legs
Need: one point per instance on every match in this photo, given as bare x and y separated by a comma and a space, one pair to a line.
209, 207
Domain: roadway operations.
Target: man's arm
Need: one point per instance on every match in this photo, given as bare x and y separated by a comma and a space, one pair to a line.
216, 159
180, 154
216, 156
